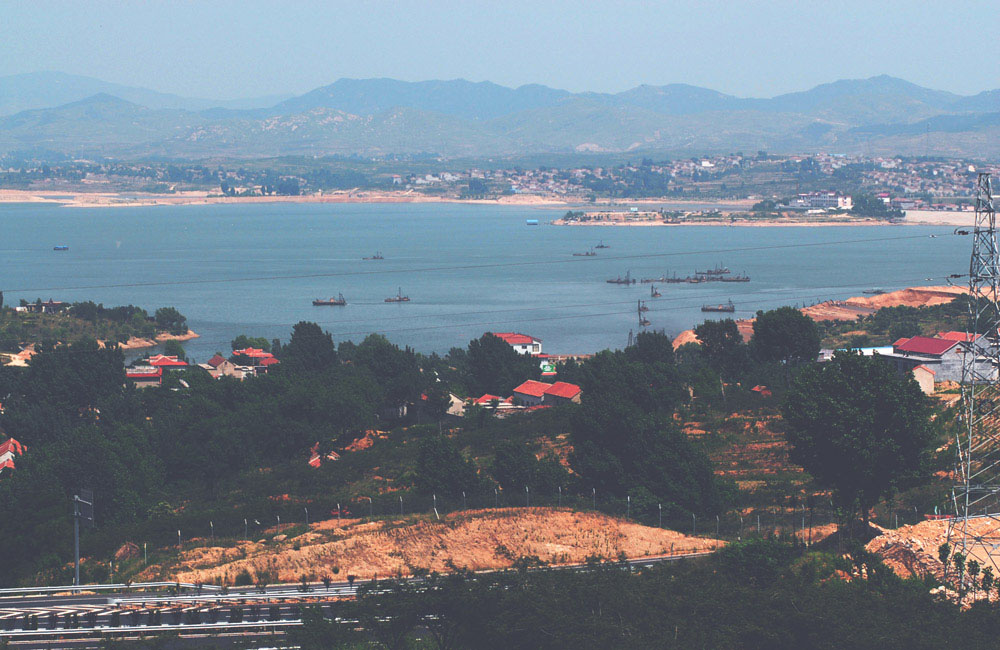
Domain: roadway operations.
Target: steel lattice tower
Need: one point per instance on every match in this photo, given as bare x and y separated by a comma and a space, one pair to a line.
974, 530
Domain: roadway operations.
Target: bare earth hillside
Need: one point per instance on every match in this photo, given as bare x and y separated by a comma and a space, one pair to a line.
481, 539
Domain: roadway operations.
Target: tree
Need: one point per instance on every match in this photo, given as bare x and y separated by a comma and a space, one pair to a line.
722, 345
859, 428
784, 334
310, 348
496, 368
441, 468
651, 347
171, 320
173, 348
242, 342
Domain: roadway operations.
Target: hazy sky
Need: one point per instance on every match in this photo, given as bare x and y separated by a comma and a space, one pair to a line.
238, 49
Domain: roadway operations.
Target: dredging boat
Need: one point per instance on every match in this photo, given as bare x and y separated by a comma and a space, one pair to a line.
60, 248
590, 253
728, 308
642, 307
602, 245
742, 277
653, 293
718, 270
376, 256
332, 302
399, 297
628, 279
873, 292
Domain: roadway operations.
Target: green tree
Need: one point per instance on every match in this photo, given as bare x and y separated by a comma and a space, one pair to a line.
722, 345
242, 342
310, 348
786, 335
171, 320
173, 348
859, 428
496, 368
442, 470
651, 347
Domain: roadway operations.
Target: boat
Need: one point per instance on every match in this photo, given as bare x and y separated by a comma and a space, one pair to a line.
376, 256
643, 321
590, 253
642, 307
531, 222
742, 277
602, 245
60, 248
653, 293
399, 297
718, 270
628, 279
873, 292
332, 302
728, 307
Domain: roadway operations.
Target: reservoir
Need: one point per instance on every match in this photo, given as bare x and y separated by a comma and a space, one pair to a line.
256, 268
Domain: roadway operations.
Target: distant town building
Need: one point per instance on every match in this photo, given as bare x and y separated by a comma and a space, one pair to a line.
924, 377
522, 343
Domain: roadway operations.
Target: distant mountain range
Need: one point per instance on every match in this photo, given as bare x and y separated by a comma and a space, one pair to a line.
81, 116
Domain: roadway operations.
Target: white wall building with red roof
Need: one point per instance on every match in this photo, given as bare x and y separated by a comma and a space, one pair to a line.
522, 343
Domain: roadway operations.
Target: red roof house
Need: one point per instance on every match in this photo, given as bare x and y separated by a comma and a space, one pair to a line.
923, 345
9, 448
958, 336
164, 361
533, 393
521, 343
562, 391
145, 376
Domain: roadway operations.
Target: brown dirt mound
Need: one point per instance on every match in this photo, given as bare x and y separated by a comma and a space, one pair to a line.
913, 550
851, 308
481, 539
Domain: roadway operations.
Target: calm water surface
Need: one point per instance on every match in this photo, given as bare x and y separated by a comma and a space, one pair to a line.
181, 253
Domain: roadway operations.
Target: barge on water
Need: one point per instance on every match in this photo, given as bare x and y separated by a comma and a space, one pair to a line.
332, 302
728, 308
399, 297
628, 279
376, 256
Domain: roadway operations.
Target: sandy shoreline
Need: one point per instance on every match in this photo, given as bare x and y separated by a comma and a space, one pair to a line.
74, 199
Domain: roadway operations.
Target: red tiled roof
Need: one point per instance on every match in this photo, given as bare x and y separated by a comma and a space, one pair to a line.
315, 460
957, 336
255, 353
515, 338
924, 345
13, 446
216, 361
487, 398
923, 367
533, 388
563, 389
162, 360
144, 374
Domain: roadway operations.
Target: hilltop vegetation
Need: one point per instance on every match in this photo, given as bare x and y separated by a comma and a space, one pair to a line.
85, 320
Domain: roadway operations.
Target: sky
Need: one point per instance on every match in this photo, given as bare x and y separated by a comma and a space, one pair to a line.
225, 50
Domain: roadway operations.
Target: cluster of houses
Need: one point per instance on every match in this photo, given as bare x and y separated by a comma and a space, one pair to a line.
248, 362
930, 359
531, 394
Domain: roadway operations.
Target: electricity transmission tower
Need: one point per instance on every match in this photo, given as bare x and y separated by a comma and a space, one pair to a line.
974, 530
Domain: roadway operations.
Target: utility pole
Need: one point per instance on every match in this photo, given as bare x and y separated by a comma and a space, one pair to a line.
976, 492
83, 508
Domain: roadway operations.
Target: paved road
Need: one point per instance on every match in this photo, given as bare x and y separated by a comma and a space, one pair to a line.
79, 620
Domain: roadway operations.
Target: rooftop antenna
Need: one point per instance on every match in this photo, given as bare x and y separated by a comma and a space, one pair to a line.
974, 531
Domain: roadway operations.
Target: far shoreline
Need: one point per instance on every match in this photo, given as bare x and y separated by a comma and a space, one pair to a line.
75, 199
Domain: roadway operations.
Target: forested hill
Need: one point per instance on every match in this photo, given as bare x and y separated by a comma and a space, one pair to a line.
879, 115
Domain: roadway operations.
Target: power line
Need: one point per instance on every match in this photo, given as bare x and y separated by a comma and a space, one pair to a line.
494, 265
